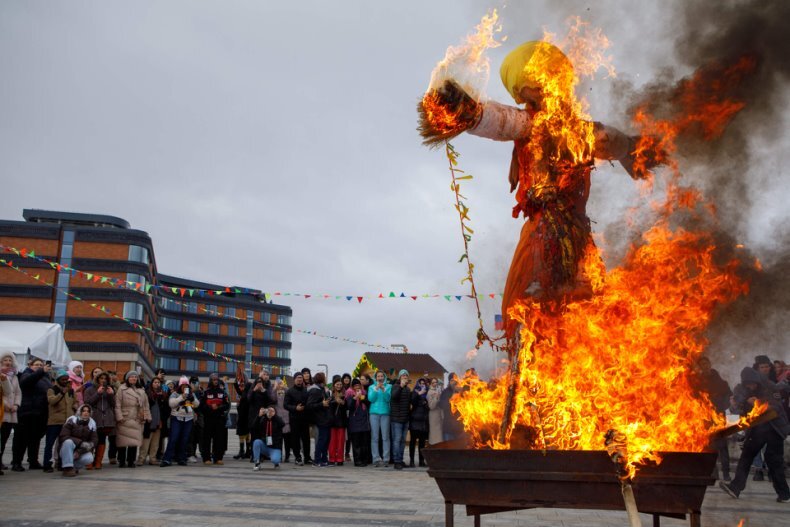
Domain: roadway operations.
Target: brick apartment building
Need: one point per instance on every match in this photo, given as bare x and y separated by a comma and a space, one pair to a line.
238, 325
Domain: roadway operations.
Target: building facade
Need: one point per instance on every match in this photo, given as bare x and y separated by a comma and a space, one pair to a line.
175, 318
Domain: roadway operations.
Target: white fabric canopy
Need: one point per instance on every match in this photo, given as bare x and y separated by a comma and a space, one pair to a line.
41, 339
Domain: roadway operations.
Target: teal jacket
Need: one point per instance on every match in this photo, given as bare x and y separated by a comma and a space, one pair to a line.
380, 401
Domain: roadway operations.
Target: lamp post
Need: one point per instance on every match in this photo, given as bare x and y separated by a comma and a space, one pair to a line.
326, 369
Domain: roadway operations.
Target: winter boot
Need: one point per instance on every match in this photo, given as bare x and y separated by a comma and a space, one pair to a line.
248, 455
241, 454
97, 461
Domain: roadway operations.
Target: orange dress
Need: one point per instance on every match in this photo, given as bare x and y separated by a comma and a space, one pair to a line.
546, 265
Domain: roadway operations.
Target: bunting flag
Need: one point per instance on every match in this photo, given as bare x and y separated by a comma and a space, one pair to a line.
202, 293
499, 325
153, 331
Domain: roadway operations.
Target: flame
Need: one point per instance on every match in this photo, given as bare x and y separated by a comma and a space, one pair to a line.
469, 66
468, 63
619, 359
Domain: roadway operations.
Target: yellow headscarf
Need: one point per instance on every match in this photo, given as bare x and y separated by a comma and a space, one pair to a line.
519, 65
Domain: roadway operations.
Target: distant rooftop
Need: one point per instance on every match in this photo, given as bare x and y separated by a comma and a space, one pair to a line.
74, 218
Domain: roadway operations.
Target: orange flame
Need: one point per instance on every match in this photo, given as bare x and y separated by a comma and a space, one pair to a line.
469, 66
620, 359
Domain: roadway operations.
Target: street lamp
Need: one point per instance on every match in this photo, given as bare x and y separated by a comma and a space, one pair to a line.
402, 347
326, 368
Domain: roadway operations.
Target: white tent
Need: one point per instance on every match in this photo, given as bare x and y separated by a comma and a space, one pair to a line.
40, 339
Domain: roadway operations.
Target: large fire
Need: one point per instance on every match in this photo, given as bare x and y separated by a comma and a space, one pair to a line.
619, 358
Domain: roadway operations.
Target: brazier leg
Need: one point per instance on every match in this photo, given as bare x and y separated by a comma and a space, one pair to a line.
477, 520
695, 519
656, 520
448, 514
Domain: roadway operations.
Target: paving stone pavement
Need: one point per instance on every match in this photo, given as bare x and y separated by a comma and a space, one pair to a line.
199, 495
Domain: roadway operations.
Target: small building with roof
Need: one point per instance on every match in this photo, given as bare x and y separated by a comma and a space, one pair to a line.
417, 364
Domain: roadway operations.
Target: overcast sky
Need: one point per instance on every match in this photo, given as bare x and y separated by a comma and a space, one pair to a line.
273, 145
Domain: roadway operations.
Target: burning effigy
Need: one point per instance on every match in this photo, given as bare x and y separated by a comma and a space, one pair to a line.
599, 359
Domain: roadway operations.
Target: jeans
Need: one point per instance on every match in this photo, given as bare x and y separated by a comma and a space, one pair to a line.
322, 445
67, 456
259, 447
177, 444
398, 440
53, 431
380, 427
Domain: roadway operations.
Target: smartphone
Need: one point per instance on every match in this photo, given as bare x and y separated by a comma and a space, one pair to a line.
186, 391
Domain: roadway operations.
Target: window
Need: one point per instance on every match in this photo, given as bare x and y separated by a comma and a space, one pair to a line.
168, 363
284, 319
168, 344
282, 353
173, 324
230, 312
193, 326
138, 254
191, 364
189, 307
286, 336
228, 348
213, 329
136, 279
211, 310
190, 345
210, 346
233, 331
66, 251
169, 303
212, 366
132, 311
268, 334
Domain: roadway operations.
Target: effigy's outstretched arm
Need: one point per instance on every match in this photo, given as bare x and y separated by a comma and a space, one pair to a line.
448, 111
612, 144
501, 122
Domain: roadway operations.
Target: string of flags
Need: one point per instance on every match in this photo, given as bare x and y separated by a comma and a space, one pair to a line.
153, 331
184, 292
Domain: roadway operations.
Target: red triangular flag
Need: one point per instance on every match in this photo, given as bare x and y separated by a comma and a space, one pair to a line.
414, 298
359, 299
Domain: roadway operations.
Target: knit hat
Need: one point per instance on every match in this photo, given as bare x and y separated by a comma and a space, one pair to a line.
356, 382
183, 380
61, 373
403, 372
130, 373
73, 364
762, 359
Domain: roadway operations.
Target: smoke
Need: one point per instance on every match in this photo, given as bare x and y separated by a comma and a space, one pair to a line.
736, 171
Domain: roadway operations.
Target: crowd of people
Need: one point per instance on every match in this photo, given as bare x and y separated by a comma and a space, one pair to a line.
762, 445
89, 419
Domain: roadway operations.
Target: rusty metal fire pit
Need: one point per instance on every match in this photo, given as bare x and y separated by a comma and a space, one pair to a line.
491, 481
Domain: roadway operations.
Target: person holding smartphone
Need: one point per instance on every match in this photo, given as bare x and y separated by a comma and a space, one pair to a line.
379, 395
101, 398
267, 433
182, 403
33, 383
358, 408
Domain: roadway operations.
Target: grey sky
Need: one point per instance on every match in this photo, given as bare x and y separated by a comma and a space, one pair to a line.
273, 144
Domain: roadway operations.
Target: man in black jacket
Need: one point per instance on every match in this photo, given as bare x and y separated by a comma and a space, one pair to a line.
34, 383
399, 417
213, 405
753, 388
267, 433
261, 395
295, 403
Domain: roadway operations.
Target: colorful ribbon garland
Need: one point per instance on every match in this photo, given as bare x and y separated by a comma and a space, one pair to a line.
191, 292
